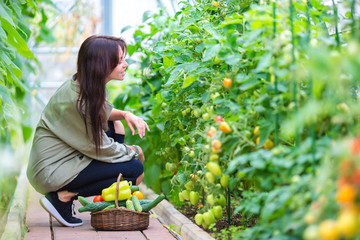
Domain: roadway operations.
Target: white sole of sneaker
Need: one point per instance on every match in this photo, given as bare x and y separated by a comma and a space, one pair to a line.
46, 204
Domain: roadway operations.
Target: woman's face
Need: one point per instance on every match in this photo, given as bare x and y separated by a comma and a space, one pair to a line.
119, 71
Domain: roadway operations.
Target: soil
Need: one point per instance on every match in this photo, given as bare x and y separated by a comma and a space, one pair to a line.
236, 220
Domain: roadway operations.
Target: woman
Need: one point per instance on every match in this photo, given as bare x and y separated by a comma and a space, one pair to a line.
72, 155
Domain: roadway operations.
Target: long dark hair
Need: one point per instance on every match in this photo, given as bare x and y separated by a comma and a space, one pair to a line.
97, 58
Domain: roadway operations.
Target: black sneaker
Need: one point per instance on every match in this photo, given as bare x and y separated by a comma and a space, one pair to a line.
61, 211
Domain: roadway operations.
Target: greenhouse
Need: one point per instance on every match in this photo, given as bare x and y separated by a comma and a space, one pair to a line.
169, 119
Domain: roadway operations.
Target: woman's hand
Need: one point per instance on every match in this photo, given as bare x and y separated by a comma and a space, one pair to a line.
141, 157
139, 123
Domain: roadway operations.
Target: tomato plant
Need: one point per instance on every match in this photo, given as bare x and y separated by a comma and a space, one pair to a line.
287, 90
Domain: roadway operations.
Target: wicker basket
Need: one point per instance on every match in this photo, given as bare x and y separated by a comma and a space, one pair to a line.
116, 219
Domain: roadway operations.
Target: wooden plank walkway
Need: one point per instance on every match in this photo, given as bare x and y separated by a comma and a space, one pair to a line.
41, 226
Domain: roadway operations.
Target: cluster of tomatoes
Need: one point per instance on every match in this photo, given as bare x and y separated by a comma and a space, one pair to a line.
347, 223
213, 173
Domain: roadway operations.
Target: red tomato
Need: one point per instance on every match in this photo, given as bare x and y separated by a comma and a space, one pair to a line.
219, 119
211, 133
355, 147
98, 198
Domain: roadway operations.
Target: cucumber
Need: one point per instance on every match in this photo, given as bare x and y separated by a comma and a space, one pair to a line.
136, 203
134, 188
84, 201
130, 205
97, 206
110, 206
148, 206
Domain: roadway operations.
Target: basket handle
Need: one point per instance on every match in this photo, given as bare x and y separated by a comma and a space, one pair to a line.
117, 191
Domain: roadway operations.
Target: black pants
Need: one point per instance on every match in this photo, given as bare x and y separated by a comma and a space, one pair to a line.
99, 175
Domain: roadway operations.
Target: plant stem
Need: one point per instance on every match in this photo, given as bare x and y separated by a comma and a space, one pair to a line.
337, 37
276, 82
292, 66
228, 206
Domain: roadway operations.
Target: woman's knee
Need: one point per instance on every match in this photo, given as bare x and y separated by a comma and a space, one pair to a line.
119, 127
139, 179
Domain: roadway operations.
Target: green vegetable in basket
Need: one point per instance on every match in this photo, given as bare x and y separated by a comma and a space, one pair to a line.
110, 206
84, 201
130, 205
134, 188
148, 206
89, 206
136, 203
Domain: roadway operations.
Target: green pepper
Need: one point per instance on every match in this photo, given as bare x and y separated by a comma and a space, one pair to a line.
124, 191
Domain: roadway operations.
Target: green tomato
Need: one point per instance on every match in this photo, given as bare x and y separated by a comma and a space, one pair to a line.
181, 197
214, 157
214, 96
186, 194
210, 199
163, 105
181, 141
170, 167
205, 226
217, 60
218, 213
224, 180
206, 116
191, 154
194, 197
237, 8
197, 113
189, 185
210, 177
198, 40
199, 219
209, 218
214, 168
220, 199
210, 110
184, 113
311, 233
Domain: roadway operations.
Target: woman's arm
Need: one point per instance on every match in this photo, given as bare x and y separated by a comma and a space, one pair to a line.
131, 120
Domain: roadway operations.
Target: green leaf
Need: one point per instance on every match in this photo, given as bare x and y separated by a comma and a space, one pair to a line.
16, 40
233, 58
188, 81
210, 29
264, 62
152, 172
211, 52
160, 126
147, 15
5, 95
26, 132
251, 83
166, 187
231, 22
125, 28
5, 13
168, 62
266, 127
